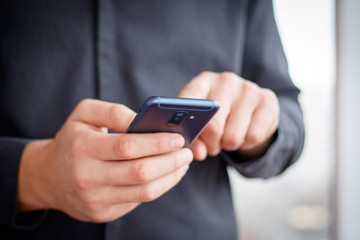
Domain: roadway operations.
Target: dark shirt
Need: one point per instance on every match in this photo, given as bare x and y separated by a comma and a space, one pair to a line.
55, 53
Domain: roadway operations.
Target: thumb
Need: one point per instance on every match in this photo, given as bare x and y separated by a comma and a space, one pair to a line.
103, 114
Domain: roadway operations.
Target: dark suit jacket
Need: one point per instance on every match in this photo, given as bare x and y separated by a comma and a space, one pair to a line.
55, 53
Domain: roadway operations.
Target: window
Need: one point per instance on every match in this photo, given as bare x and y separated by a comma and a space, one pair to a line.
296, 204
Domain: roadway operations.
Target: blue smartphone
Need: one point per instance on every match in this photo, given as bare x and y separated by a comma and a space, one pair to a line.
185, 116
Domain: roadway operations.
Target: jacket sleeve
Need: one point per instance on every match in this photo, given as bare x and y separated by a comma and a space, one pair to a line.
265, 64
10, 154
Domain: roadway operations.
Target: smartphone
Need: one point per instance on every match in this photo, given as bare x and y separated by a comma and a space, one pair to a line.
185, 116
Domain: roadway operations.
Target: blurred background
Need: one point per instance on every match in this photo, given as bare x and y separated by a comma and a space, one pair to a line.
311, 199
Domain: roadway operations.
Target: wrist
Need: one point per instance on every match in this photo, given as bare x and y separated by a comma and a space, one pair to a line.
32, 194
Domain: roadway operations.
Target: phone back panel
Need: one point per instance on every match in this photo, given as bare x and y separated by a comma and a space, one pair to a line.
156, 112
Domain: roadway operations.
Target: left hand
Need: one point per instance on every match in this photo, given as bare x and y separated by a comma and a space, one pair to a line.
246, 121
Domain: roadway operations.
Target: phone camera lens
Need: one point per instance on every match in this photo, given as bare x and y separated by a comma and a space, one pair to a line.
180, 114
176, 119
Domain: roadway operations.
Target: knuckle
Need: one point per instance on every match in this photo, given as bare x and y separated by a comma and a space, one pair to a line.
94, 208
82, 182
147, 194
254, 137
250, 86
205, 74
140, 173
115, 112
232, 141
193, 87
229, 76
269, 96
83, 104
123, 148
250, 91
91, 202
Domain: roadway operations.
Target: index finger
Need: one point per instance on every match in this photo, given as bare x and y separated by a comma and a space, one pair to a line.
198, 87
132, 146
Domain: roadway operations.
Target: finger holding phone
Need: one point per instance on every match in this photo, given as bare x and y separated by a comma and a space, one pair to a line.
247, 120
95, 176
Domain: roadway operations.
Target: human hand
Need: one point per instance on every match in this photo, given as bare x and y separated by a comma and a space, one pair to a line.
95, 176
247, 120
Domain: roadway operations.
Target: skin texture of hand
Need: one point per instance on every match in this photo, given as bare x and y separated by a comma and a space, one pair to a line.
246, 121
95, 176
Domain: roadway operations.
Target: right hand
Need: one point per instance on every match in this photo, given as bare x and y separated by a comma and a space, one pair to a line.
95, 176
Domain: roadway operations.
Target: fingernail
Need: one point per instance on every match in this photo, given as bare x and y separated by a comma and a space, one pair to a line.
178, 142
187, 156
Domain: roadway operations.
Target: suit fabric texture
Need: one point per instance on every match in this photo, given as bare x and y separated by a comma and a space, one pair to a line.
53, 54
